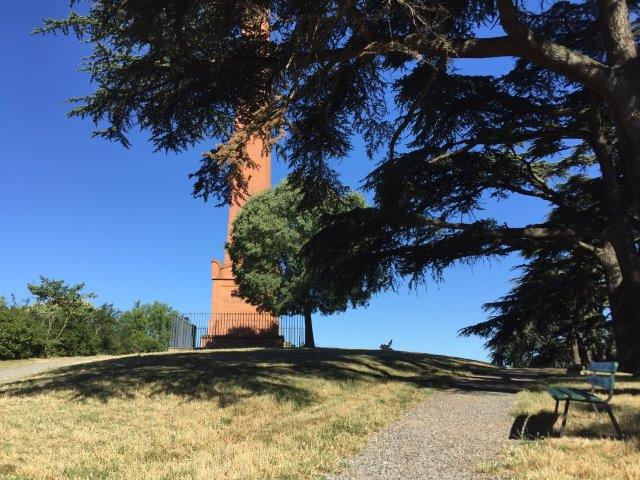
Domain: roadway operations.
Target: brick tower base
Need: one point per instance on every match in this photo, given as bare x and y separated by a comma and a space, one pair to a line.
235, 323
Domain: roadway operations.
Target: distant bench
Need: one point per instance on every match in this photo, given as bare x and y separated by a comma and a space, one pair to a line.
605, 382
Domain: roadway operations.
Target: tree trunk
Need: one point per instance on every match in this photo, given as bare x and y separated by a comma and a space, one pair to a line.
624, 284
575, 352
585, 352
619, 257
616, 27
625, 112
624, 297
617, 31
309, 342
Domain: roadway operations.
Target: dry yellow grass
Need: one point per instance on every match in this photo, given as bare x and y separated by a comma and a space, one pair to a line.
588, 450
212, 415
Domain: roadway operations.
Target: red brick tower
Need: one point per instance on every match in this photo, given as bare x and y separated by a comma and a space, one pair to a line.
234, 322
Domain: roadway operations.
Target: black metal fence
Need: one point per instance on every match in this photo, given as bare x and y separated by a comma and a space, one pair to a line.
183, 333
291, 327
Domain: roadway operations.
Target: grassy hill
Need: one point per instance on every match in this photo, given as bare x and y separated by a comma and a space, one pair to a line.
257, 414
279, 414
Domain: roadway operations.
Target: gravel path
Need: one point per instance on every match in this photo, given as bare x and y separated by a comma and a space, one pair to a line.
12, 371
445, 437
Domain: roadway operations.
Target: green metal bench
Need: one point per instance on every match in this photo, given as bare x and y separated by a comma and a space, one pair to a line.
604, 382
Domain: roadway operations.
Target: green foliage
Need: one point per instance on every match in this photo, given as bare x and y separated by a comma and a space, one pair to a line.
333, 71
105, 320
553, 316
266, 248
65, 317
172, 69
20, 336
145, 328
62, 322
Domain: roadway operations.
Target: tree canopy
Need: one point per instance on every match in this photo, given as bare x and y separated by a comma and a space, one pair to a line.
266, 249
562, 126
555, 314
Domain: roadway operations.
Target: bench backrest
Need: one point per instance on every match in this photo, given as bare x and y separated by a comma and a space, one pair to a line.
601, 381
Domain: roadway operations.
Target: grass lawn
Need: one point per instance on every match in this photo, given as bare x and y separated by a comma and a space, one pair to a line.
588, 450
256, 414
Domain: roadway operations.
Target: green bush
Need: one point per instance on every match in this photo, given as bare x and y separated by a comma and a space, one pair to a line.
145, 328
82, 336
65, 316
106, 322
62, 322
20, 337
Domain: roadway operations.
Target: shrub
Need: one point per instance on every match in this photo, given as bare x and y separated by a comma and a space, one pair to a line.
66, 317
145, 328
106, 322
63, 322
20, 337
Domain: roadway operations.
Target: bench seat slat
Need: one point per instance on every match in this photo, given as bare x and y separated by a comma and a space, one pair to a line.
575, 395
557, 393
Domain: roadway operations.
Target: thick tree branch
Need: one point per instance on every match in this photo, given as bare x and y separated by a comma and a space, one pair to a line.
416, 46
615, 26
533, 231
475, 240
580, 68
576, 66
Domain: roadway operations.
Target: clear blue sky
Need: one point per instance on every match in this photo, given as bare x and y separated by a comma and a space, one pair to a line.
124, 222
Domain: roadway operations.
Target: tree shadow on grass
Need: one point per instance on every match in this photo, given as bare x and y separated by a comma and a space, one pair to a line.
600, 426
230, 376
540, 425
622, 386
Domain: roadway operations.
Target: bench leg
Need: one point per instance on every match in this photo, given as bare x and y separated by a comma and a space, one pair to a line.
564, 418
614, 421
557, 405
595, 409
